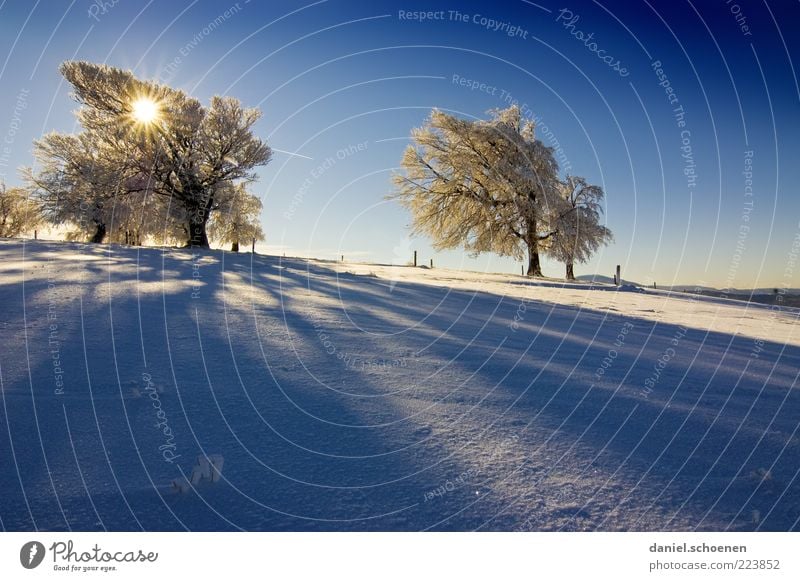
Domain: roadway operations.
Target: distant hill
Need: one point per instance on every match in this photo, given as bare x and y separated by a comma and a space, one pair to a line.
788, 297
600, 278
734, 291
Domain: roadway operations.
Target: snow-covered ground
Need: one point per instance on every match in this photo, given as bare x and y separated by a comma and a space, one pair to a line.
364, 397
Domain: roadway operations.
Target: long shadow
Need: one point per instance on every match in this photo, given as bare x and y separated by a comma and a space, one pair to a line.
314, 441
712, 444
283, 469
43, 487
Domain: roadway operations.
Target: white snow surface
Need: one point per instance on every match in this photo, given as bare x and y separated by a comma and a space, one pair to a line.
368, 397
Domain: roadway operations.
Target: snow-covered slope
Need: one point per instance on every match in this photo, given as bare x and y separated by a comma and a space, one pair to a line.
363, 397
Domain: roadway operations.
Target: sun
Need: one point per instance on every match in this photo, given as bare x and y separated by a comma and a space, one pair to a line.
145, 110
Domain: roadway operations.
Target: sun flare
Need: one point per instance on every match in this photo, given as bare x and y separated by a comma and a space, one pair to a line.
145, 110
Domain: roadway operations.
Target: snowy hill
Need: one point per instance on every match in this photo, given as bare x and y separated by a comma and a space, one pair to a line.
363, 397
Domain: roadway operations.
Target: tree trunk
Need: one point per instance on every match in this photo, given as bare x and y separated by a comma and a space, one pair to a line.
570, 271
198, 218
534, 266
235, 246
197, 235
99, 234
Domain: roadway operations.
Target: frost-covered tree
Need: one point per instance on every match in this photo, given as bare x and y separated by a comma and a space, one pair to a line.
74, 184
84, 188
237, 219
18, 212
578, 231
146, 138
489, 186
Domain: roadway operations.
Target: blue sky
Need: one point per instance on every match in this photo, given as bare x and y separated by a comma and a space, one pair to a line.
343, 83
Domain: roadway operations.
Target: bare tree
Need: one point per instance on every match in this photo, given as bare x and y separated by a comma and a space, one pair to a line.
488, 186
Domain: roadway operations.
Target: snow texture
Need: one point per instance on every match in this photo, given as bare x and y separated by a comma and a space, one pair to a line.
364, 397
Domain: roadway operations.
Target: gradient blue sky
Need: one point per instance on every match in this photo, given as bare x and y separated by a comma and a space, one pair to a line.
331, 75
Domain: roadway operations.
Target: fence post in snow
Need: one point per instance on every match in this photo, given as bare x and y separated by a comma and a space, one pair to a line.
415, 258
617, 278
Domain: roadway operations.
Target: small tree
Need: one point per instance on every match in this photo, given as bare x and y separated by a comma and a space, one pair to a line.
237, 219
74, 185
578, 232
18, 212
484, 185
